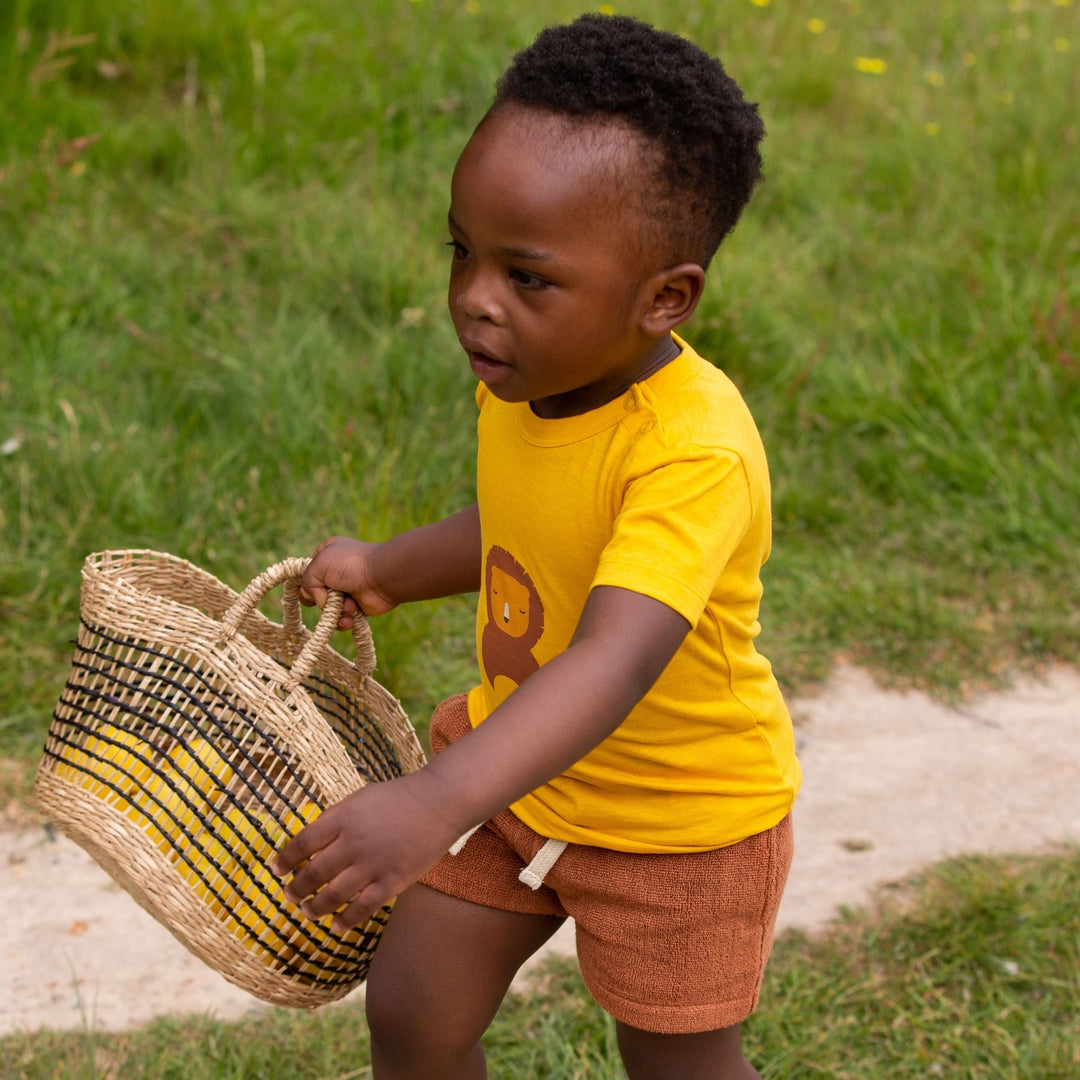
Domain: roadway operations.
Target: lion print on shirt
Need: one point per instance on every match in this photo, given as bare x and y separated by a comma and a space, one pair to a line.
515, 619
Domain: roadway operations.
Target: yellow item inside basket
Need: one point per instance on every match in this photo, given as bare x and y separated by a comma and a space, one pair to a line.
228, 864
189, 807
201, 763
112, 756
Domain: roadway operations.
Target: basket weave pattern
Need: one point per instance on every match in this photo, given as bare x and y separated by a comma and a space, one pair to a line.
193, 736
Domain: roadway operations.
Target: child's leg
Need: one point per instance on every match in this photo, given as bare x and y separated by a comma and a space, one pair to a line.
709, 1055
438, 976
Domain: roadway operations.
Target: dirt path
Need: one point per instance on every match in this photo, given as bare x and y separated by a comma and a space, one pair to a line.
892, 783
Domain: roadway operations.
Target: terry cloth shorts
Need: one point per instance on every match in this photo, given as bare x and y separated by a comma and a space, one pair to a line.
666, 943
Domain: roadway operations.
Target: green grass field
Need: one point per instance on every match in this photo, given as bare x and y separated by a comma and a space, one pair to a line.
222, 334
222, 327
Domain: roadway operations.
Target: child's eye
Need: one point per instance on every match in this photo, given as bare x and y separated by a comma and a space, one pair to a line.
527, 280
460, 250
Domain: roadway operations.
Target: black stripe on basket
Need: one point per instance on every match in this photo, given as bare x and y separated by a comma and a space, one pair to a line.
199, 707
367, 744
336, 957
331, 959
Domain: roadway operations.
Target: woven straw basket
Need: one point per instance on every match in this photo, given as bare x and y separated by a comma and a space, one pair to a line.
193, 736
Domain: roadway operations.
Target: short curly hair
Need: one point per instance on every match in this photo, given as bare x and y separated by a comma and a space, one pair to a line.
674, 95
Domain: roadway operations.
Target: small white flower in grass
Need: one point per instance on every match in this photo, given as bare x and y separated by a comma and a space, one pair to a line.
9, 446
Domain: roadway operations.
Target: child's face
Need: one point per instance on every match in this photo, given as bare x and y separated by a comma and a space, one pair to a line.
547, 285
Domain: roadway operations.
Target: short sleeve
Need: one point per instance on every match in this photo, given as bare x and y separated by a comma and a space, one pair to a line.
680, 522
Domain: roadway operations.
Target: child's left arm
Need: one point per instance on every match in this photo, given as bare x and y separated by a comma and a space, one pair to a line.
374, 843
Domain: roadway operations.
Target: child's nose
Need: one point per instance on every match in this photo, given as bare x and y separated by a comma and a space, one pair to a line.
476, 297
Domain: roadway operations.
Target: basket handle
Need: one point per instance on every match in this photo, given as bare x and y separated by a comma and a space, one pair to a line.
288, 573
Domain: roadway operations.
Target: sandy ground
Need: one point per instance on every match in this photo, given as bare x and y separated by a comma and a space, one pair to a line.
892, 782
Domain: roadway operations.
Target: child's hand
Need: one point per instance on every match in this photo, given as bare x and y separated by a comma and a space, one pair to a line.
348, 566
364, 851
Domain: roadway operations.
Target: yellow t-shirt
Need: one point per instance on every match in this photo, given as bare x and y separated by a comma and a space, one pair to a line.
664, 491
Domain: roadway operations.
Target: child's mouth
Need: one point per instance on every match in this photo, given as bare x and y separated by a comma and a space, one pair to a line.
486, 368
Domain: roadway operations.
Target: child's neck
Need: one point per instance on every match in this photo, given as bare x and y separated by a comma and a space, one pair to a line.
662, 352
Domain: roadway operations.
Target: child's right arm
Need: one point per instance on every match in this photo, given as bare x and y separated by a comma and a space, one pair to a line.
373, 843
440, 559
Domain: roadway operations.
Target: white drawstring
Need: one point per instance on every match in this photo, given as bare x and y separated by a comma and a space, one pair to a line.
533, 875
461, 841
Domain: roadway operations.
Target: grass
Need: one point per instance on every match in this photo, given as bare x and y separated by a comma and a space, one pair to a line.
222, 335
222, 329
972, 972
974, 975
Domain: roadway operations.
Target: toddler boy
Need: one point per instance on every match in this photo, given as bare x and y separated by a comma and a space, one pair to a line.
627, 759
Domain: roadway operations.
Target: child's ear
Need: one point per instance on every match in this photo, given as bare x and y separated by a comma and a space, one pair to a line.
675, 293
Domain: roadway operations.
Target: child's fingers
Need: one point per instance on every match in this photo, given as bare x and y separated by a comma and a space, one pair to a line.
312, 596
363, 907
349, 610
307, 842
314, 878
316, 597
339, 891
313, 581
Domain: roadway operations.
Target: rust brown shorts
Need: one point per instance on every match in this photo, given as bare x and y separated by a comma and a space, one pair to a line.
666, 943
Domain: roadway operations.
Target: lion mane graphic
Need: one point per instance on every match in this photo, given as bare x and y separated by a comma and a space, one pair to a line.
515, 619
